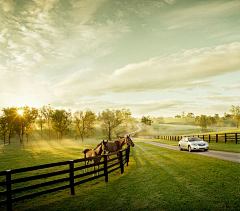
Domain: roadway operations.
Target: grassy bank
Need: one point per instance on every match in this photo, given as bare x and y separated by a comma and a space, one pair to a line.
156, 179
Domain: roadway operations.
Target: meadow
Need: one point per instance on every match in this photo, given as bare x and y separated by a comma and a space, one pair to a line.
156, 179
178, 129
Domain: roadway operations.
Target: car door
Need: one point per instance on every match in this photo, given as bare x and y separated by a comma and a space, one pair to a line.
185, 143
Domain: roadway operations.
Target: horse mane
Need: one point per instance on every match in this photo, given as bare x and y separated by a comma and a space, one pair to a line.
85, 151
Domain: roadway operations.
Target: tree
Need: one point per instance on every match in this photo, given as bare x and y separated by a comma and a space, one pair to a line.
10, 115
127, 116
41, 119
146, 120
29, 117
110, 120
190, 115
84, 123
3, 128
203, 121
183, 114
24, 120
177, 116
235, 114
47, 112
216, 117
61, 120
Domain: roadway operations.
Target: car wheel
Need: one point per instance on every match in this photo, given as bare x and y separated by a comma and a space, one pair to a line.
189, 148
180, 148
205, 150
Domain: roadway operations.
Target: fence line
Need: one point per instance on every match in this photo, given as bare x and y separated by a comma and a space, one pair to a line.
122, 159
222, 137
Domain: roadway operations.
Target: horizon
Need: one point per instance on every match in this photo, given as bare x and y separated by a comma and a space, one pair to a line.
156, 58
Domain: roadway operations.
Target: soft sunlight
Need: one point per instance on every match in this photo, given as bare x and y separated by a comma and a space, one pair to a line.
20, 112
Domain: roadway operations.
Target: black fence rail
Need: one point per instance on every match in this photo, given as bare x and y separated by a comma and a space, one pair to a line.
222, 137
65, 173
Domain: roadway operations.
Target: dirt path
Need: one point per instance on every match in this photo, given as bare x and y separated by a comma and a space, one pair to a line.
230, 156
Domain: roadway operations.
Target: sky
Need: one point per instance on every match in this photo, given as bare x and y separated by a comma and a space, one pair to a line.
154, 57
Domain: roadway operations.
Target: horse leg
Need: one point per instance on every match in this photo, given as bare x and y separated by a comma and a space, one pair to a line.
93, 168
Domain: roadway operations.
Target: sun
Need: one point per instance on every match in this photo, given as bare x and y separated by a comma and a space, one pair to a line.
20, 112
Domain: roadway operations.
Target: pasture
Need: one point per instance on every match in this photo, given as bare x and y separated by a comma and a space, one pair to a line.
175, 129
156, 179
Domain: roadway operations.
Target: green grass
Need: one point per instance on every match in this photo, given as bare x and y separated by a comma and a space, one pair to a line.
186, 121
174, 129
156, 179
227, 147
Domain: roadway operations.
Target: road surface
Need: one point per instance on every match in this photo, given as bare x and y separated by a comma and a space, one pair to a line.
230, 156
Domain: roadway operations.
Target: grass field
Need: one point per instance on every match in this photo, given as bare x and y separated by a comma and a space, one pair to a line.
172, 129
156, 179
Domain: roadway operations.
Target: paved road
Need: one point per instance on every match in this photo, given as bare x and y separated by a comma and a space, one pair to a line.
230, 156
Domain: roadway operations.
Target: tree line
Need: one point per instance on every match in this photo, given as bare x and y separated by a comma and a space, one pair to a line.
203, 120
21, 122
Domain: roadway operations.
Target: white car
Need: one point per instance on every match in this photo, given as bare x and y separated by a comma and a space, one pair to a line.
192, 143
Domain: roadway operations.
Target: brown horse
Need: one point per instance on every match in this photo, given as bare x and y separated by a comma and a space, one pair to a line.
118, 144
88, 153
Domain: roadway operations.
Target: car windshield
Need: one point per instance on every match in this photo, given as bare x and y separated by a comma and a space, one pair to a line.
194, 139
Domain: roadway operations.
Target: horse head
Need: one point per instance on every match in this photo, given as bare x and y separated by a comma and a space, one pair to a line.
129, 141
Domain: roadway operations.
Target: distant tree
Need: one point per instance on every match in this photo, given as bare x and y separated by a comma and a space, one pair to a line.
41, 120
29, 117
211, 120
110, 120
61, 120
24, 120
10, 115
190, 115
84, 123
216, 117
3, 128
160, 120
235, 114
220, 122
203, 121
127, 116
178, 116
146, 120
183, 114
47, 112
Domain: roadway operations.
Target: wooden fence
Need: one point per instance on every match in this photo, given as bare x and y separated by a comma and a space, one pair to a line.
222, 137
69, 172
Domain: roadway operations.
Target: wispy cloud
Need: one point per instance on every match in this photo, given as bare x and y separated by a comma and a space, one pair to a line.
199, 14
186, 68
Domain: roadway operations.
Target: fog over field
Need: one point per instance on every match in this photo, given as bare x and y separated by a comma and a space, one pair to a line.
156, 58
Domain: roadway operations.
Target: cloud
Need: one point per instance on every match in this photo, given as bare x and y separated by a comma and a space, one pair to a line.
200, 14
8, 5
186, 68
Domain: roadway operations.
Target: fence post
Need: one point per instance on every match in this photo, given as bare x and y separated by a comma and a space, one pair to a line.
216, 138
209, 139
225, 138
71, 166
127, 154
121, 162
203, 137
9, 190
236, 137
105, 168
